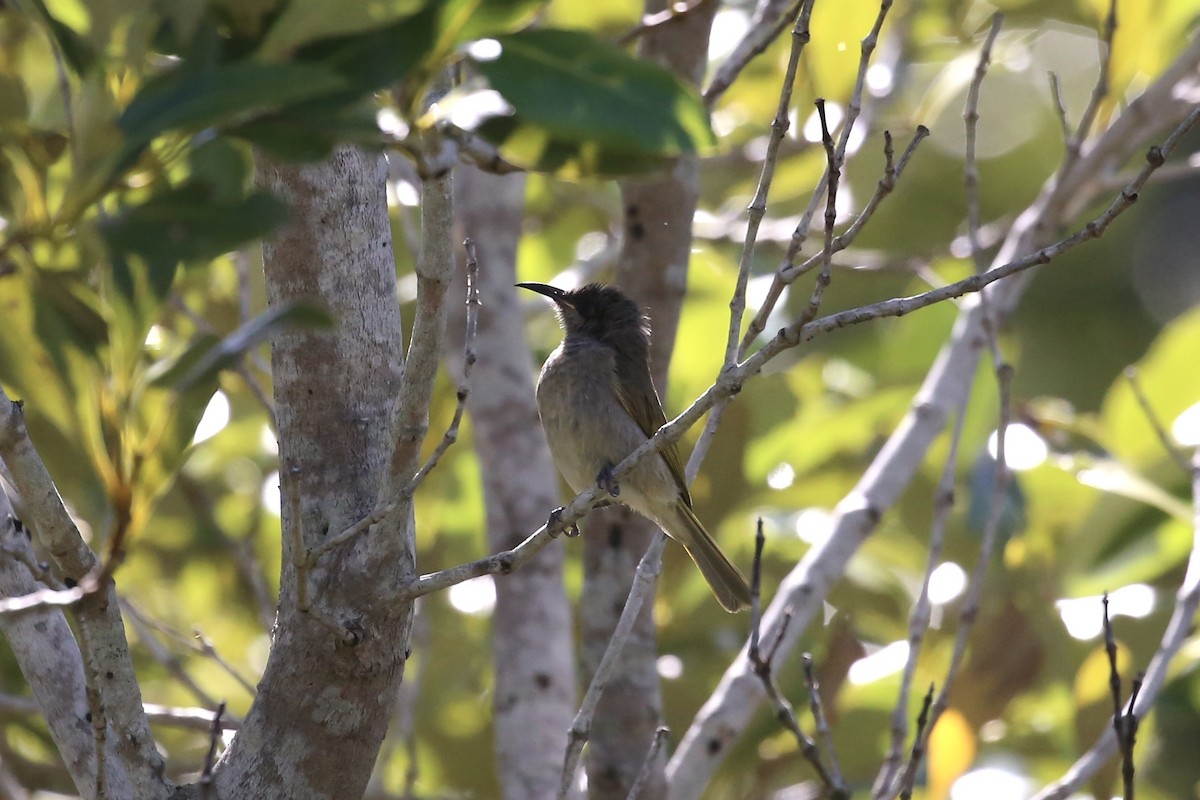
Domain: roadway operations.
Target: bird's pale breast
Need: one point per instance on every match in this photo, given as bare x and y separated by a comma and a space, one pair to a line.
588, 429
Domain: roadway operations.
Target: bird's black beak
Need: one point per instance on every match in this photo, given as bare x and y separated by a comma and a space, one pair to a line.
553, 292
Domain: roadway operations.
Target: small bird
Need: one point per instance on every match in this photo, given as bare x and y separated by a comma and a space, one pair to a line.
597, 402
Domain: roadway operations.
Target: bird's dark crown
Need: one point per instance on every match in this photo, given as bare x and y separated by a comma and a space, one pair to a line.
601, 312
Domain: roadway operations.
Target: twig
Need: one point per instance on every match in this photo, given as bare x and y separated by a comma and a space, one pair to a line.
755, 212
761, 666
410, 420
918, 621
186, 718
788, 270
971, 181
1179, 628
920, 738
866, 49
970, 163
771, 18
649, 22
210, 757
974, 594
643, 583
833, 172
48, 598
647, 769
468, 146
758, 205
300, 563
406, 712
44, 506
1125, 725
1099, 89
163, 656
206, 648
1129, 736
1060, 107
1163, 437
464, 384
818, 712
238, 367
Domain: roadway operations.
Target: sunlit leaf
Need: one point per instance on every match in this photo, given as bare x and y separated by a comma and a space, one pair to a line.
189, 223
464, 20
208, 355
189, 99
581, 105
304, 21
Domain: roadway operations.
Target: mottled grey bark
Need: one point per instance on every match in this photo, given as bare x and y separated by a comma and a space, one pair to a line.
323, 705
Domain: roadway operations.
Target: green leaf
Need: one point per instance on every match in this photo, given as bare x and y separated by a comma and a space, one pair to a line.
377, 58
310, 132
208, 355
583, 106
193, 222
14, 104
221, 165
190, 100
465, 20
76, 51
304, 21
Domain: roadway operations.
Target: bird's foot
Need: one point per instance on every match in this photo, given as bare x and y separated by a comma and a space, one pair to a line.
608, 482
556, 518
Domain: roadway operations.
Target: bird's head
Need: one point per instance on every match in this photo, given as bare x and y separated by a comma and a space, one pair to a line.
598, 312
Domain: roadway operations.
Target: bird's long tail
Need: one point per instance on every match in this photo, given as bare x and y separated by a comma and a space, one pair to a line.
726, 581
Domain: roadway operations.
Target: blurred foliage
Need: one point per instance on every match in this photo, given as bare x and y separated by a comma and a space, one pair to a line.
132, 305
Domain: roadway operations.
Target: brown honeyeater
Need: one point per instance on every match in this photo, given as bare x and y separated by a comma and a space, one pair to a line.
597, 402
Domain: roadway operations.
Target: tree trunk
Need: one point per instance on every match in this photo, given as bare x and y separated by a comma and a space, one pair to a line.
324, 700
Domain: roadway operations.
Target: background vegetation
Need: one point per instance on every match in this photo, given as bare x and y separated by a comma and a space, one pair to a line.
115, 352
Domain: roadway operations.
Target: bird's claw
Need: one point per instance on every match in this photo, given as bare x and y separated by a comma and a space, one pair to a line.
556, 518
608, 482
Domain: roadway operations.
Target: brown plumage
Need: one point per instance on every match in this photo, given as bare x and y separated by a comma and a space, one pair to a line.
597, 402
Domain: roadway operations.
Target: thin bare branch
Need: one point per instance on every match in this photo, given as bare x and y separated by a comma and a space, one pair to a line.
919, 617
917, 753
643, 584
970, 608
1160, 430
649, 22
1099, 90
464, 384
1060, 106
761, 665
210, 757
1179, 628
435, 267
660, 736
755, 212
771, 18
833, 173
301, 566
789, 271
168, 660
970, 163
818, 711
